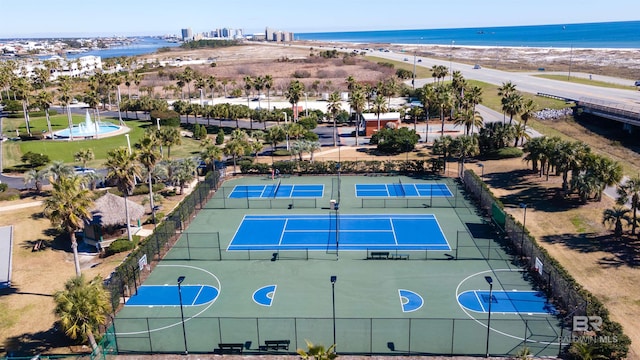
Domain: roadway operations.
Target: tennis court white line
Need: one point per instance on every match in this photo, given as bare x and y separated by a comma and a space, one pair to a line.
393, 230
196, 297
342, 231
480, 301
284, 231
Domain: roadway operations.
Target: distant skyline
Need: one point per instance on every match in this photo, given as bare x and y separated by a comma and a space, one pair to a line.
87, 18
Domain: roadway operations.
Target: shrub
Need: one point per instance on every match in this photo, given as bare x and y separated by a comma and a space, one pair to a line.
505, 153
9, 194
281, 152
3, 187
301, 74
119, 246
220, 137
167, 117
35, 160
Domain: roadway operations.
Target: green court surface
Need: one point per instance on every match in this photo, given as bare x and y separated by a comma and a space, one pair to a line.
401, 302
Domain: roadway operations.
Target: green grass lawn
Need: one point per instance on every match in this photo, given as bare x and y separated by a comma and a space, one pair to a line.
491, 99
421, 72
584, 81
65, 150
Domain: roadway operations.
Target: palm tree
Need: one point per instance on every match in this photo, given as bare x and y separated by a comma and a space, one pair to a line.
187, 76
183, 171
629, 192
379, 106
357, 101
44, 100
37, 176
123, 170
258, 85
68, 208
82, 308
443, 146
512, 105
444, 102
469, 119
274, 135
65, 97
84, 155
416, 112
465, 146
334, 106
294, 94
615, 216
317, 352
527, 111
211, 83
505, 91
21, 88
268, 84
248, 85
235, 148
210, 154
169, 136
58, 169
148, 154
607, 172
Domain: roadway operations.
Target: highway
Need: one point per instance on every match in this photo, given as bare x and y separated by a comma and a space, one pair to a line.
524, 81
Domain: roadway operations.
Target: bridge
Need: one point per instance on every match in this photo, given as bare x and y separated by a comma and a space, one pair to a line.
627, 114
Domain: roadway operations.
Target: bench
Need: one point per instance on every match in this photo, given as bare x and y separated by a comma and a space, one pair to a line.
39, 245
276, 344
230, 348
401, 257
379, 255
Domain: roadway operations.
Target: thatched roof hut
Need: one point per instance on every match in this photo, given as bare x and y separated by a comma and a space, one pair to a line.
109, 220
109, 210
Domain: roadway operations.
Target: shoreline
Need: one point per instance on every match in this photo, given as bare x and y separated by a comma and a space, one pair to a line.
460, 46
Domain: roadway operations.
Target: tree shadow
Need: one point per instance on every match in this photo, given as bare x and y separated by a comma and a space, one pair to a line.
524, 189
30, 344
625, 251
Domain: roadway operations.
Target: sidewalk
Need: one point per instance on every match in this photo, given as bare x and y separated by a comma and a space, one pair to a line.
20, 206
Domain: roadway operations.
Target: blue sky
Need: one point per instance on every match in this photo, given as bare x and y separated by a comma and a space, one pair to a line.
42, 18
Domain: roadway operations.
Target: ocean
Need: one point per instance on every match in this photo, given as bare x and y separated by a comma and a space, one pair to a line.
619, 35
144, 45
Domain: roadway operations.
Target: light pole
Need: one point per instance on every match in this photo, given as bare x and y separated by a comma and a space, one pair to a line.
333, 301
158, 126
524, 226
184, 333
481, 165
306, 106
413, 81
451, 59
489, 280
128, 143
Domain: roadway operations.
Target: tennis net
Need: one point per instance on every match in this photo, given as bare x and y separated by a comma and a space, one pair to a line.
402, 188
275, 190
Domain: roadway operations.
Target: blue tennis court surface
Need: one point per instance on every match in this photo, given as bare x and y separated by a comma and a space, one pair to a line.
355, 232
275, 191
529, 302
403, 190
167, 295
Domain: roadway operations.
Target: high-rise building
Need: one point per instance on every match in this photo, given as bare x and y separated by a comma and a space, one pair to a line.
187, 34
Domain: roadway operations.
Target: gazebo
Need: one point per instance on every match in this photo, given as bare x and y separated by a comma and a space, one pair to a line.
109, 220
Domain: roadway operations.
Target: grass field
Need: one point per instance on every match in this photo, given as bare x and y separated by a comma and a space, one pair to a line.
584, 81
65, 150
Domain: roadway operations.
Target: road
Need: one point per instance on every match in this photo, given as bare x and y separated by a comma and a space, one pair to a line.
526, 82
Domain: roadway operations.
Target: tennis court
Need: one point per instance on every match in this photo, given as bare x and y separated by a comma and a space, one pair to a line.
276, 191
339, 231
403, 190
259, 269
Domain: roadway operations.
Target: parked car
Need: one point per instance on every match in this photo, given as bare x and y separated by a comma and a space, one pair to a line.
637, 83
